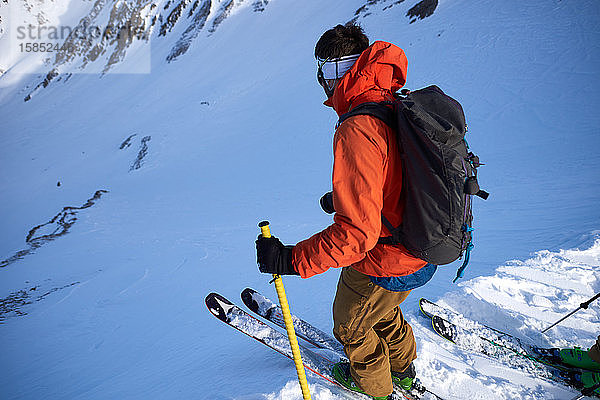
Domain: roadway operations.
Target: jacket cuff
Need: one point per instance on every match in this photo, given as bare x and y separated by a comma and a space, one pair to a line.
287, 264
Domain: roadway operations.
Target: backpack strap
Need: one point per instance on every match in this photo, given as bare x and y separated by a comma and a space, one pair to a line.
387, 114
393, 240
381, 111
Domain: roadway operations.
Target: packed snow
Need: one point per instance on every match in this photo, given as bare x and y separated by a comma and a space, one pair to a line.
102, 296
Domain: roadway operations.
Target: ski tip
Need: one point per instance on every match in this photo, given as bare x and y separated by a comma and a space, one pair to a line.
248, 299
441, 327
249, 290
423, 301
218, 305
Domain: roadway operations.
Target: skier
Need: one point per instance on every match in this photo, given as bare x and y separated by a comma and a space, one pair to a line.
591, 379
367, 184
587, 360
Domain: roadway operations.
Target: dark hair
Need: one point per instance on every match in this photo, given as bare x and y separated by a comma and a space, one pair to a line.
343, 40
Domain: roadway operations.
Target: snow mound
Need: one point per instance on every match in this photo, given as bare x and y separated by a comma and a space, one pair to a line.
525, 297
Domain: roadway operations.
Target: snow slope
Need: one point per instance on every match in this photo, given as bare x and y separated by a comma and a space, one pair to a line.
102, 294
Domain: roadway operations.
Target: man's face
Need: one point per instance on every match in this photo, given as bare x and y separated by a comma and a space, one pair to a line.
331, 70
328, 86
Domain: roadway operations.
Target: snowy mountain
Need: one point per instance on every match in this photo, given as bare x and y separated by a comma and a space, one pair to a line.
134, 173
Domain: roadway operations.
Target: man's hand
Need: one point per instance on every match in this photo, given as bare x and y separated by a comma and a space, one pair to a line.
273, 257
327, 203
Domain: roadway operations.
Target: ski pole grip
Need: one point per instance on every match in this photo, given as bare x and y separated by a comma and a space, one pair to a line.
289, 324
264, 229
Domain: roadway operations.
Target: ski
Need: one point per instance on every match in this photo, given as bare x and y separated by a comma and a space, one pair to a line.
271, 311
429, 309
315, 361
547, 356
473, 336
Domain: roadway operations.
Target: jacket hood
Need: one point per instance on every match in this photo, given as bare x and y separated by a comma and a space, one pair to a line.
379, 72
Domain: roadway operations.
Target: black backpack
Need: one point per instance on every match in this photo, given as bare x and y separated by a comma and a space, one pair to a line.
439, 174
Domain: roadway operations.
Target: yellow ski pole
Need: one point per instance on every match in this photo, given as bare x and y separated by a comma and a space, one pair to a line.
289, 325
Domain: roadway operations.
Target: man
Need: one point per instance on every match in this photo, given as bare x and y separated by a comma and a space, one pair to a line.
594, 351
591, 380
367, 183
589, 362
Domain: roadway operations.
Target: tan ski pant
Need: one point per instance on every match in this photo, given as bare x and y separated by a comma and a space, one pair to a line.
376, 338
594, 351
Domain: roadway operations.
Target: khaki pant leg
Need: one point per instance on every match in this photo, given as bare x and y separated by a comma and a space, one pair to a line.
369, 363
594, 351
361, 312
398, 335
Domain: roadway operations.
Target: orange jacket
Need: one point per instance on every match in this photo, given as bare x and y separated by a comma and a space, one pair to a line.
367, 176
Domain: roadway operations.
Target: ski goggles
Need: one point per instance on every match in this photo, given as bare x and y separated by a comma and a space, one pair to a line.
335, 68
332, 69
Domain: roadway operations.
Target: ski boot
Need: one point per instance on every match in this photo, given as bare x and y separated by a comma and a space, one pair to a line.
405, 379
591, 383
341, 373
578, 358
